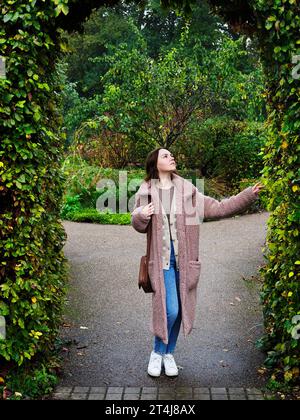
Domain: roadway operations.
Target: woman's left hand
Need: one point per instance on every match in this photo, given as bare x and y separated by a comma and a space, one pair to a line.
257, 187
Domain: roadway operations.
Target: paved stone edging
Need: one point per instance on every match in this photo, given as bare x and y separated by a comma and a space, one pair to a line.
155, 393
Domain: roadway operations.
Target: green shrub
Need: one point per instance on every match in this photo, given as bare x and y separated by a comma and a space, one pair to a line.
70, 205
32, 380
33, 269
223, 147
93, 216
81, 183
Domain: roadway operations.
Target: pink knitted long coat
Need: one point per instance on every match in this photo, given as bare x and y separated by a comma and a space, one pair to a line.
192, 207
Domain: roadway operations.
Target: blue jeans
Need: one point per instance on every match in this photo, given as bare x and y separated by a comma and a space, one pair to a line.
173, 305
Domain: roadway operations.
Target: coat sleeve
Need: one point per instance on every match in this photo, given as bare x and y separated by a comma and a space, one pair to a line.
210, 208
139, 220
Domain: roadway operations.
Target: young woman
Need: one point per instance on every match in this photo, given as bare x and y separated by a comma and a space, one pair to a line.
174, 267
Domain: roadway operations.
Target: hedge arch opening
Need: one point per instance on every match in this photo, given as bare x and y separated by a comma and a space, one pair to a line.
33, 269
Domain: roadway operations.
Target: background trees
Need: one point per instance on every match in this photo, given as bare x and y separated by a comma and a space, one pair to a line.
157, 80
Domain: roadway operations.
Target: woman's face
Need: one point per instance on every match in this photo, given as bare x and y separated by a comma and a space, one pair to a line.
165, 161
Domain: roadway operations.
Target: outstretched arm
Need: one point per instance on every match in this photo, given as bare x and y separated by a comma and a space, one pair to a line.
210, 208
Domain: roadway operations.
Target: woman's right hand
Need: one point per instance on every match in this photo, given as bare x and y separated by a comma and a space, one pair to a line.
148, 210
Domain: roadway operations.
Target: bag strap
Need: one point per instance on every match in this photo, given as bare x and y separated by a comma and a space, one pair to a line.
149, 232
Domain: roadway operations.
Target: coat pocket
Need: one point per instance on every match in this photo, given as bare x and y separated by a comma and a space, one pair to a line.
152, 273
193, 274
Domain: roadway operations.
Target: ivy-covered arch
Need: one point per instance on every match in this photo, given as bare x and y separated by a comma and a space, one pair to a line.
32, 265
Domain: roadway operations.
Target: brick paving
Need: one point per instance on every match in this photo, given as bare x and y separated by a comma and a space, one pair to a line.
155, 393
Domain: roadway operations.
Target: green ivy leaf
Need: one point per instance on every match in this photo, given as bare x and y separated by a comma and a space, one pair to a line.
7, 17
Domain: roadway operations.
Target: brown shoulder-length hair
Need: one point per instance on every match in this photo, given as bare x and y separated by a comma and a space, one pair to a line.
151, 165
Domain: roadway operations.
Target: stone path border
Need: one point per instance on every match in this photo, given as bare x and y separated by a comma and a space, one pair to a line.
155, 393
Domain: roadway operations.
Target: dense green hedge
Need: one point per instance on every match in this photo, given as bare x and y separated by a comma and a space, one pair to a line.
280, 42
32, 266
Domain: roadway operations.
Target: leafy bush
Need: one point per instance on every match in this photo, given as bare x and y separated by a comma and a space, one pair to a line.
93, 216
71, 204
222, 147
33, 269
30, 383
33, 380
81, 183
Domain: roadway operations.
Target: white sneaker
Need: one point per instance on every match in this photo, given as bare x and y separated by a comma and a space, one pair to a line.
170, 365
155, 364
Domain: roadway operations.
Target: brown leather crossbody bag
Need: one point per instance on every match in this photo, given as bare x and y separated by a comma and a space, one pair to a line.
144, 279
